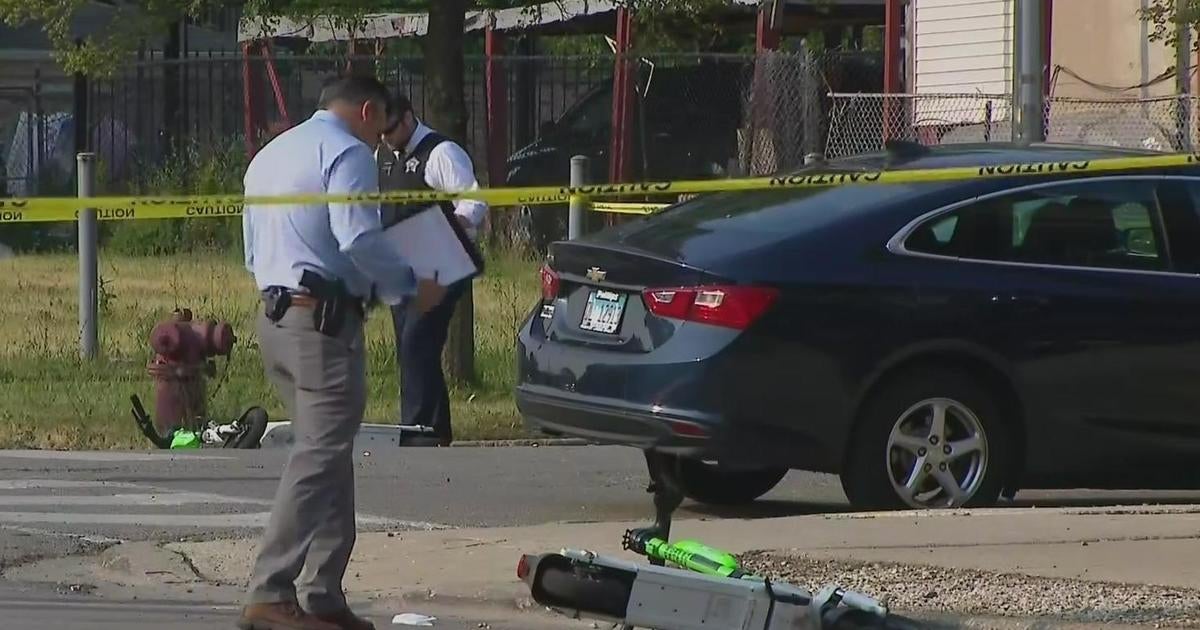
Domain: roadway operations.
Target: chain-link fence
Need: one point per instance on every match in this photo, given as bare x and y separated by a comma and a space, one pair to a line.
861, 123
784, 113
788, 112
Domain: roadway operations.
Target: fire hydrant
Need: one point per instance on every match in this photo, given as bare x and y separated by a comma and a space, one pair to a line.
184, 351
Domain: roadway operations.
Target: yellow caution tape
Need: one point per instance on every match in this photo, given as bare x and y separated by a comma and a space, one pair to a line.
628, 208
58, 213
18, 210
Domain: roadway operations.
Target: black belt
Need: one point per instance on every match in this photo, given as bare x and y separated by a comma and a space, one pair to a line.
308, 300
328, 311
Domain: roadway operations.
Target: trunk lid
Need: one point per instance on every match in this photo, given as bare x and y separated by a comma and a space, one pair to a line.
599, 301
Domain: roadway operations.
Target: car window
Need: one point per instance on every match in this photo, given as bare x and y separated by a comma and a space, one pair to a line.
1093, 224
593, 117
737, 222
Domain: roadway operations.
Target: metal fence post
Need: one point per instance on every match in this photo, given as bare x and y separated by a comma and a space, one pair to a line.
1029, 105
1183, 82
579, 171
88, 246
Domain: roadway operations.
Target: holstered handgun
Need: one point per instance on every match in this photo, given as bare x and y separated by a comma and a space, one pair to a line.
276, 302
332, 303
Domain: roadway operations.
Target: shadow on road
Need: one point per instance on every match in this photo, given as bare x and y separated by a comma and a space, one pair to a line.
766, 509
783, 508
1108, 500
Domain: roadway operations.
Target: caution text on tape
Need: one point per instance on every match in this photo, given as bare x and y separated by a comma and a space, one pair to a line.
628, 208
159, 207
39, 215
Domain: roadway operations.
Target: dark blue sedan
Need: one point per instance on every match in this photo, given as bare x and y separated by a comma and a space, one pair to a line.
934, 344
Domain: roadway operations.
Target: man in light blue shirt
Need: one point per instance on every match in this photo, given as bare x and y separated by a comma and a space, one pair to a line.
316, 266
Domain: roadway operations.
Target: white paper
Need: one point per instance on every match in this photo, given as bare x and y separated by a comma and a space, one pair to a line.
431, 246
413, 619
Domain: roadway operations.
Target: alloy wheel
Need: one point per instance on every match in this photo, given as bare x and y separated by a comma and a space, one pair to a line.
937, 454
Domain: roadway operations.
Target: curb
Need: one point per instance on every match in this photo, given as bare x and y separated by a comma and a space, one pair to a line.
375, 435
523, 442
1103, 510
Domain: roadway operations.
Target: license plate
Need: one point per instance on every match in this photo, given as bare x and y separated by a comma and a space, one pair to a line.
603, 312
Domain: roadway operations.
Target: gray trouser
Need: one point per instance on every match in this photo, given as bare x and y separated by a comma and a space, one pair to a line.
322, 380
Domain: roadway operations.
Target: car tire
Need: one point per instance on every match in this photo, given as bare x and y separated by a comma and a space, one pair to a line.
706, 483
891, 441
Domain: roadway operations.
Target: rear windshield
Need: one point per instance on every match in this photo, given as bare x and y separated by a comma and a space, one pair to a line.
756, 217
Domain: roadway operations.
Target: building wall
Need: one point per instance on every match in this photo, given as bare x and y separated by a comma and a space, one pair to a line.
966, 46
1104, 41
961, 46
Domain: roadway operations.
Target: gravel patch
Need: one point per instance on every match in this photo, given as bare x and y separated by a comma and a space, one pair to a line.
916, 588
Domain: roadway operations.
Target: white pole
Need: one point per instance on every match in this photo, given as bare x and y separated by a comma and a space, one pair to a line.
88, 255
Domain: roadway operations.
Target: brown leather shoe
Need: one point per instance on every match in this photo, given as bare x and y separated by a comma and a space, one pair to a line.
281, 616
347, 620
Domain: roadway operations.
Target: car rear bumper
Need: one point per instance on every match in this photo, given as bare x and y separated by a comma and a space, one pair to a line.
605, 421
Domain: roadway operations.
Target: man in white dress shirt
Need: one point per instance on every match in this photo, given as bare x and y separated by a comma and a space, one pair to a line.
315, 266
415, 157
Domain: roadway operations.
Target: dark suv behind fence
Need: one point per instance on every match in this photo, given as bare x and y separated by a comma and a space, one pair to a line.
688, 115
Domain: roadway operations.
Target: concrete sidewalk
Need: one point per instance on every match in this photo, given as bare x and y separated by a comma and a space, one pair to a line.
1137, 545
1157, 546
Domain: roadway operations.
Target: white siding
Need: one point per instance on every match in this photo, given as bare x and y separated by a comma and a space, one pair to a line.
961, 47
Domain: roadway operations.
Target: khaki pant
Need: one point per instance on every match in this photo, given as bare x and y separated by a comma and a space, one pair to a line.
322, 380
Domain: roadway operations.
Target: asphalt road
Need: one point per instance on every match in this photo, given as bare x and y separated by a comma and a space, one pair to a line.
28, 608
85, 498
59, 503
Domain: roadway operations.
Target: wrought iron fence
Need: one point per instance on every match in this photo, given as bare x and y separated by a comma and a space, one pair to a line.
34, 130
156, 106
772, 107
22, 145
695, 115
860, 122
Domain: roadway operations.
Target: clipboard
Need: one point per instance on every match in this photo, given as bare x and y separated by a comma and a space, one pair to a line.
434, 243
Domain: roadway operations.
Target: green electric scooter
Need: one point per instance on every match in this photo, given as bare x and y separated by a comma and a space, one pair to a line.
688, 585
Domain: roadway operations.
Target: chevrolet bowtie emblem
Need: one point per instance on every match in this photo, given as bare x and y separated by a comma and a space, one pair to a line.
596, 274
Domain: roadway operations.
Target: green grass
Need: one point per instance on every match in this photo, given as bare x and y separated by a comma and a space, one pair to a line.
50, 399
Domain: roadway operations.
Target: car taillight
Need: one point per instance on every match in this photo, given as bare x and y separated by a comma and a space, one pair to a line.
729, 306
687, 429
550, 283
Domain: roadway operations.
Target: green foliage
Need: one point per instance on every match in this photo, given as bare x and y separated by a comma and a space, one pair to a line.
678, 25
1165, 16
96, 55
662, 25
194, 170
133, 22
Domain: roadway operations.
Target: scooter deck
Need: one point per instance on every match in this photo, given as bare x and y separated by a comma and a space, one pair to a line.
582, 584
